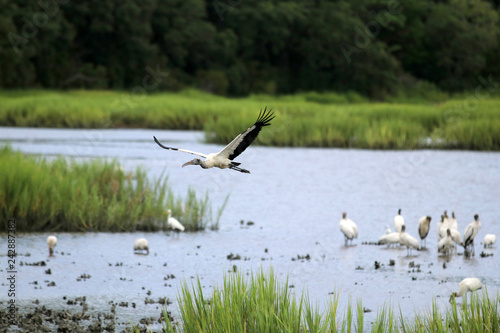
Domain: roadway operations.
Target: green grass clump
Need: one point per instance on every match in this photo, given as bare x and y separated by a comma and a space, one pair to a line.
62, 195
427, 119
263, 304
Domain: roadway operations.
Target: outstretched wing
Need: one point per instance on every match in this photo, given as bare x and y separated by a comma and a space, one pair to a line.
179, 149
243, 140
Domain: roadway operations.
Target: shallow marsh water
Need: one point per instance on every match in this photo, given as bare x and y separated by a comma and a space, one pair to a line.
295, 197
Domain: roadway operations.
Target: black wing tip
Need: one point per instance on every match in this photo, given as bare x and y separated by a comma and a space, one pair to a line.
265, 117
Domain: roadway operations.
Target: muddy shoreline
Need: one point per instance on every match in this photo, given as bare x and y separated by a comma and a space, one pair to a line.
75, 318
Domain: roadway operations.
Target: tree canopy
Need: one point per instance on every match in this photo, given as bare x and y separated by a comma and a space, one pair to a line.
238, 47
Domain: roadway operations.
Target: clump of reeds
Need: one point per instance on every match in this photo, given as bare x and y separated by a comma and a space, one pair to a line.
63, 195
306, 119
263, 304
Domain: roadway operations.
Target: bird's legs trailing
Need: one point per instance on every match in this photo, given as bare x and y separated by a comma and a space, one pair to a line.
234, 167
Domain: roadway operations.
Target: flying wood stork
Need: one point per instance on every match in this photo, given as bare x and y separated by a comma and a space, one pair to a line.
348, 228
224, 158
51, 243
398, 221
468, 284
141, 244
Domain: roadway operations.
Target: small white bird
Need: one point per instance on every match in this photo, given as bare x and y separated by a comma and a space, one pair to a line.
398, 221
51, 243
489, 240
172, 223
439, 227
387, 230
470, 233
409, 241
445, 245
348, 228
468, 284
424, 224
141, 244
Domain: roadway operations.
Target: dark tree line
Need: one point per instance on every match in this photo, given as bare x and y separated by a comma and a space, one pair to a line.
237, 47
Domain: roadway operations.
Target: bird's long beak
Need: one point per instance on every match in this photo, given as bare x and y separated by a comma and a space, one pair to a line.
189, 163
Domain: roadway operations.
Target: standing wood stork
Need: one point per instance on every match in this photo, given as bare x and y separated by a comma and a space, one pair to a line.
51, 243
470, 233
408, 240
224, 158
173, 224
348, 228
398, 221
141, 244
445, 245
489, 240
424, 224
467, 285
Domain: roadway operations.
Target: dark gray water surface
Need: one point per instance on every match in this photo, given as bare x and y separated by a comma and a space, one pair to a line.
295, 197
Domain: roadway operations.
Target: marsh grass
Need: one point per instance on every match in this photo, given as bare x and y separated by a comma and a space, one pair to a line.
305, 119
261, 303
63, 195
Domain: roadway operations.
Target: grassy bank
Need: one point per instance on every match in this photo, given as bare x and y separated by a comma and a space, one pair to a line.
263, 304
61, 195
308, 119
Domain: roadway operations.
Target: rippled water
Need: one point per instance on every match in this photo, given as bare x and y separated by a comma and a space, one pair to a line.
296, 197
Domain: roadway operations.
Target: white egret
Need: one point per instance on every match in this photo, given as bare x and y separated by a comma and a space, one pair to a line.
348, 228
141, 244
224, 158
172, 223
51, 243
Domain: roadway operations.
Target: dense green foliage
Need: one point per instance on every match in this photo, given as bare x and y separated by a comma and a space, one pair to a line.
307, 120
59, 195
374, 47
263, 304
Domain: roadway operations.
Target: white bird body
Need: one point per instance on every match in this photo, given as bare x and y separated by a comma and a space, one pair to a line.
439, 227
445, 245
389, 239
424, 225
455, 236
470, 233
387, 230
224, 158
141, 244
467, 285
348, 228
453, 222
51, 243
408, 240
173, 223
398, 221
489, 240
